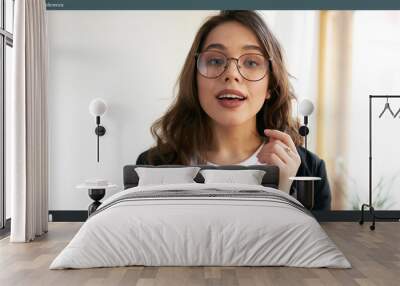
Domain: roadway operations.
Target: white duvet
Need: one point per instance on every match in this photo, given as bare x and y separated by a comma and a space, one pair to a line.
183, 231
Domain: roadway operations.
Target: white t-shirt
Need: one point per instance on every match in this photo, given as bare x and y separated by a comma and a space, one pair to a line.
252, 160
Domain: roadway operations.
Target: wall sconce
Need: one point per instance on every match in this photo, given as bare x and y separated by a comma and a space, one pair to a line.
306, 107
97, 108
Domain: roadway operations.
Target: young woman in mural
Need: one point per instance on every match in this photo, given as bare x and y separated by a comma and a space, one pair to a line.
234, 106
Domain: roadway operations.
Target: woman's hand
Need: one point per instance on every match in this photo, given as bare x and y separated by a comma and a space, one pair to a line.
280, 151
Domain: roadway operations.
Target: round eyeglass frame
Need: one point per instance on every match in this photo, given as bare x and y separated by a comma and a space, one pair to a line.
268, 69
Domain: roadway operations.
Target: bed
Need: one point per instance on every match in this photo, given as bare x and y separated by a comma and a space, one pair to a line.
201, 224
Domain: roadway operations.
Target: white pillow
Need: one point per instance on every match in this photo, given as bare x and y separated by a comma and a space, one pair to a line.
162, 176
248, 177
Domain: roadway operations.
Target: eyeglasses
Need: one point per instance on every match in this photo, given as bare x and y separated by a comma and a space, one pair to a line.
252, 67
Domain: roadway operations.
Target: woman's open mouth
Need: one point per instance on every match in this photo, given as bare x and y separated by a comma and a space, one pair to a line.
231, 100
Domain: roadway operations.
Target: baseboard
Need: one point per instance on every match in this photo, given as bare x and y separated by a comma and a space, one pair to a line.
68, 215
355, 215
322, 216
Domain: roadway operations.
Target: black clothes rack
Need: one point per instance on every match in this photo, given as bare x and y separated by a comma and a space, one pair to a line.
371, 208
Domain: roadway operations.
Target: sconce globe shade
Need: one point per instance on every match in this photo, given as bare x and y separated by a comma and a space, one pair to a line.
306, 107
97, 107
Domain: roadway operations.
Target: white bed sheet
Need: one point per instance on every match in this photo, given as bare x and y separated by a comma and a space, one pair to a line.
200, 231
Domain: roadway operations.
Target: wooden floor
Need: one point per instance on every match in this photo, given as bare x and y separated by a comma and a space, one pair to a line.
374, 255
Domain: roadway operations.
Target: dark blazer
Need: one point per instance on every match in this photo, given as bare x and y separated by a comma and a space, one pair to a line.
311, 165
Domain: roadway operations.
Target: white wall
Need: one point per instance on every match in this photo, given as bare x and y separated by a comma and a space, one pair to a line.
132, 60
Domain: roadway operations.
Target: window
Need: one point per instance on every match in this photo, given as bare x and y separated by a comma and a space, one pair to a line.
9, 19
375, 71
6, 44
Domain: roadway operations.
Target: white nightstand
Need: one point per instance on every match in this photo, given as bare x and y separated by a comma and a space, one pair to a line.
96, 193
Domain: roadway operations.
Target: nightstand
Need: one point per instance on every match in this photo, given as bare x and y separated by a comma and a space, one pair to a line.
304, 187
96, 193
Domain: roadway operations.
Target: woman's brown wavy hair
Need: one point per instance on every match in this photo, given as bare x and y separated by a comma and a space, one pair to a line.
184, 132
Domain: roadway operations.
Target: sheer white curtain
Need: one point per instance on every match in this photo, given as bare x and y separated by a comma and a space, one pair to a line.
298, 34
334, 91
27, 122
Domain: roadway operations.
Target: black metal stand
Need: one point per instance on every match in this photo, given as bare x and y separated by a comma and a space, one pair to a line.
306, 195
100, 131
371, 208
96, 195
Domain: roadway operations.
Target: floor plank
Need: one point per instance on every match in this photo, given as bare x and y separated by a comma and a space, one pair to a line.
374, 255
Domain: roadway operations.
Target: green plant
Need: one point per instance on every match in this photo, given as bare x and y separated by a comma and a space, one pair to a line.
382, 192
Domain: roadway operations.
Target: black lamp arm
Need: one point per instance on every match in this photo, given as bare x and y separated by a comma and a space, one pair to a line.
99, 131
305, 120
